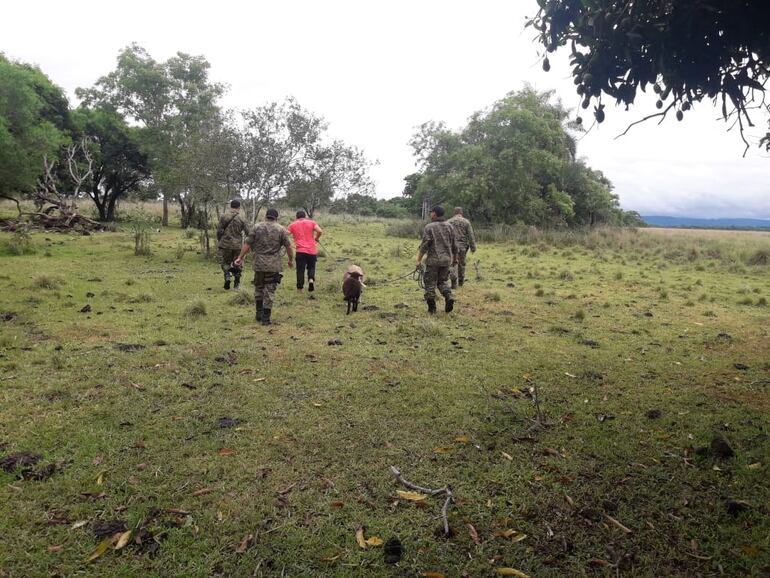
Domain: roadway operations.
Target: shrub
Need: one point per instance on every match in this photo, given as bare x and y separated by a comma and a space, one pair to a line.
180, 251
579, 315
492, 296
189, 233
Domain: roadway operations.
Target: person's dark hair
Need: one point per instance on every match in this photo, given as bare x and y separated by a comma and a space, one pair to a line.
272, 214
301, 214
235, 204
439, 210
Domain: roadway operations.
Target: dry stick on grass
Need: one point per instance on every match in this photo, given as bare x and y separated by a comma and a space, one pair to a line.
431, 492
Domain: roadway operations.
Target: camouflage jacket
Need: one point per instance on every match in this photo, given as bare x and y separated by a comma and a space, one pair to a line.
439, 243
266, 240
464, 230
232, 226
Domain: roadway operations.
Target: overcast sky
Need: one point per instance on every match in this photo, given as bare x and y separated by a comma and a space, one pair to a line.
375, 70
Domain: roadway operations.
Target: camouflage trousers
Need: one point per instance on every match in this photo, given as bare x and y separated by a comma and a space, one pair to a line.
458, 271
265, 284
434, 277
225, 257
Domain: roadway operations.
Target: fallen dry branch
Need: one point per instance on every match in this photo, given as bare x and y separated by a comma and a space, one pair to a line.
447, 490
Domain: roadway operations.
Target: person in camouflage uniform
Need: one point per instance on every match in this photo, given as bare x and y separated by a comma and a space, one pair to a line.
439, 244
232, 226
465, 240
266, 240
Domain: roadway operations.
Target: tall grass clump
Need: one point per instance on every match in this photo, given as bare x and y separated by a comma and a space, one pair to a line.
760, 257
411, 229
47, 282
141, 227
196, 309
20, 242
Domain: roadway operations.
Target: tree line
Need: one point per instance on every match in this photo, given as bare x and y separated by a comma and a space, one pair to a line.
157, 129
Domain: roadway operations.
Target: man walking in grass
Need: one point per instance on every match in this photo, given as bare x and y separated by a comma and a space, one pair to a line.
230, 231
266, 240
439, 245
306, 233
465, 240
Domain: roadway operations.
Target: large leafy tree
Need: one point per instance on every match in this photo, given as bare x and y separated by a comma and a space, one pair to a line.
119, 165
172, 100
513, 162
684, 51
34, 125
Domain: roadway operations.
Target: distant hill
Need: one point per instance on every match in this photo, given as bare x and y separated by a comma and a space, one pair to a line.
661, 221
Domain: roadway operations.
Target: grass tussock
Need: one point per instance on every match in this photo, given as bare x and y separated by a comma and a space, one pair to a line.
241, 298
196, 309
46, 281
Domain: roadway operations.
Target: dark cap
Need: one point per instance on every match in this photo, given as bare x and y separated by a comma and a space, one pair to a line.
439, 210
235, 204
272, 214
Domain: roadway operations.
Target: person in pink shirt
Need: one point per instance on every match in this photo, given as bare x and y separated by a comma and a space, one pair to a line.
306, 233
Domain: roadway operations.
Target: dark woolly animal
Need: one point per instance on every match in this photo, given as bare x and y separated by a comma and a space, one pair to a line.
352, 285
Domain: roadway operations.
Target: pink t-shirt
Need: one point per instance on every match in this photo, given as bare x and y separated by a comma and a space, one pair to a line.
304, 238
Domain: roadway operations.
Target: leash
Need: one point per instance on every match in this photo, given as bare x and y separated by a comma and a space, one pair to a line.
415, 274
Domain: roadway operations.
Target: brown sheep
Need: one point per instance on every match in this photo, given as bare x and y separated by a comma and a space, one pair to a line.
352, 285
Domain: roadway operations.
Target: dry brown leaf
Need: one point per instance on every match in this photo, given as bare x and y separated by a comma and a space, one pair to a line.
360, 537
245, 543
754, 466
123, 540
507, 456
461, 440
337, 504
432, 575
374, 541
56, 548
518, 537
442, 450
474, 535
100, 478
97, 460
332, 558
202, 492
79, 524
511, 572
552, 452
103, 546
226, 452
618, 525
411, 496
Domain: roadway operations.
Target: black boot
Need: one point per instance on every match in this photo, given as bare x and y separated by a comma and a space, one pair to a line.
259, 310
460, 281
449, 303
454, 283
431, 306
227, 282
266, 317
237, 283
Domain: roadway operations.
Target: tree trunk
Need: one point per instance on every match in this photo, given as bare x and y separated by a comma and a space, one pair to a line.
164, 218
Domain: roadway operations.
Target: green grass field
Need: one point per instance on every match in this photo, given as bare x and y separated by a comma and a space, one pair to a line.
643, 349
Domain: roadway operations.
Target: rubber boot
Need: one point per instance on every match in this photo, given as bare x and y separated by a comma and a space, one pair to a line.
454, 283
259, 311
266, 317
460, 281
431, 306
227, 281
449, 302
237, 283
